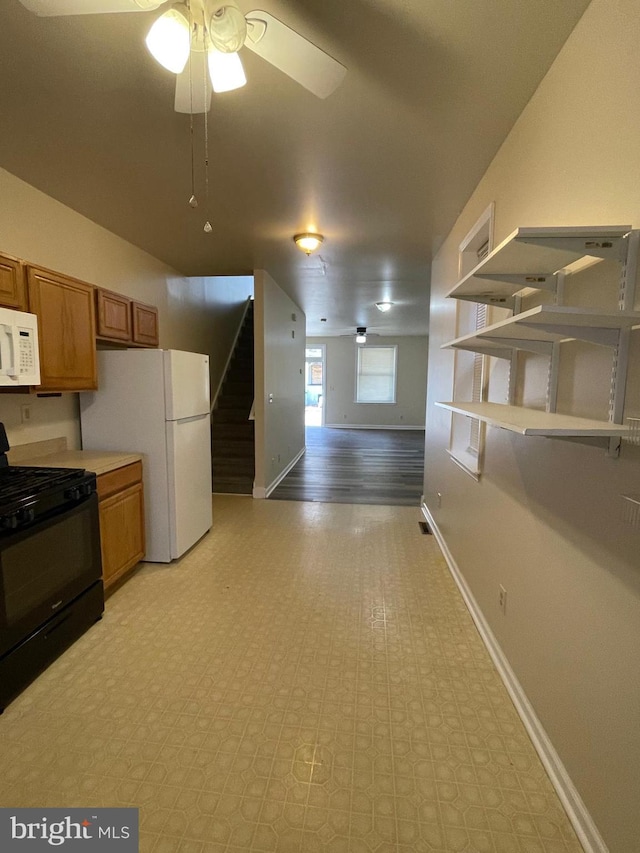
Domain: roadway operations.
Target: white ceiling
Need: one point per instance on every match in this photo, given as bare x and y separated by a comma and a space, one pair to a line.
382, 167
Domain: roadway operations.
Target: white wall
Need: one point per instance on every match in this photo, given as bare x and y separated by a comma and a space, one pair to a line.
279, 365
545, 518
194, 314
411, 390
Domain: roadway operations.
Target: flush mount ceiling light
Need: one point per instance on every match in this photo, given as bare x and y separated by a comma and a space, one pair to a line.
361, 335
384, 306
308, 241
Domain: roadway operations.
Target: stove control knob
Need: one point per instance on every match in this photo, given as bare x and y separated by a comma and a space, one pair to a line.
9, 522
72, 494
85, 489
26, 516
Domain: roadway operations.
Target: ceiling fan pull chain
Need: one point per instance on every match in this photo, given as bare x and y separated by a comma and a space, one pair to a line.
207, 225
193, 201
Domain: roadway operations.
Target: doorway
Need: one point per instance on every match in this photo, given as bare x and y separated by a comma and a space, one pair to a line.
314, 386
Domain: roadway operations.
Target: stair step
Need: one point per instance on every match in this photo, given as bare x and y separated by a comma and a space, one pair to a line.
233, 467
224, 448
239, 385
236, 401
239, 486
226, 416
220, 431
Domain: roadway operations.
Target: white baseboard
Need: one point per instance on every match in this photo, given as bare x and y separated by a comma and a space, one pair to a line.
577, 812
261, 493
372, 426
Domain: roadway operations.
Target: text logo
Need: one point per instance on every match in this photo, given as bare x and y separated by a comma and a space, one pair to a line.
111, 830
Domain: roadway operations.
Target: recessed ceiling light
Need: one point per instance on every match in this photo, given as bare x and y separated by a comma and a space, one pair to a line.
384, 306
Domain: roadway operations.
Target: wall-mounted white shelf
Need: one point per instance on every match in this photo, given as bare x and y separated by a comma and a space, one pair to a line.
537, 329
532, 257
534, 422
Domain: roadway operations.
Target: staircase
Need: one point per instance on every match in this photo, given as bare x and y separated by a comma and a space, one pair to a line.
232, 433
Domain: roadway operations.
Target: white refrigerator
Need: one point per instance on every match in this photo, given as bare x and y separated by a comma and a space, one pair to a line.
156, 403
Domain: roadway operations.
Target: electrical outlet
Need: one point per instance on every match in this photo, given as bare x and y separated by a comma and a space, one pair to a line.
502, 599
439, 494
25, 413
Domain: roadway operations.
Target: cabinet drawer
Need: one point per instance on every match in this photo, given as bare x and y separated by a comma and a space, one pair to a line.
121, 478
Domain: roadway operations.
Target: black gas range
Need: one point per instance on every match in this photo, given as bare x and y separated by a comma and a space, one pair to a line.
50, 566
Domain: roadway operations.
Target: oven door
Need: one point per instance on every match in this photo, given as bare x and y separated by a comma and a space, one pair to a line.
46, 566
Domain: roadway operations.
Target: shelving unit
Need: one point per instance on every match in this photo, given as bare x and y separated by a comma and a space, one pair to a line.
537, 329
533, 259
535, 422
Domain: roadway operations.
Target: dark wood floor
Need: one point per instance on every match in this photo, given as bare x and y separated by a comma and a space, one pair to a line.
357, 466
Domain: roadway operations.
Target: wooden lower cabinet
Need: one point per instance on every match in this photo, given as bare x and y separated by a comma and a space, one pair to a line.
121, 507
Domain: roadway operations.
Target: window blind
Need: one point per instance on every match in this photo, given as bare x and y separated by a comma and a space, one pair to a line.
376, 375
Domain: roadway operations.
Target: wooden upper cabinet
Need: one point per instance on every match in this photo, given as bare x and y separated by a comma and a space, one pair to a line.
66, 330
13, 289
113, 316
145, 324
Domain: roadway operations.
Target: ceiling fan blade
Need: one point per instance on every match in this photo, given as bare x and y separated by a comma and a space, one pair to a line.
51, 8
193, 89
294, 55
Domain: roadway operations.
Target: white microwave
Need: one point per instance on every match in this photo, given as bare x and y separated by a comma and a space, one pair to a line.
19, 353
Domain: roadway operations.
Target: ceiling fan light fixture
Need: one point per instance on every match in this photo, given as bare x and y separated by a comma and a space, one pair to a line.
361, 335
169, 39
384, 306
225, 70
308, 241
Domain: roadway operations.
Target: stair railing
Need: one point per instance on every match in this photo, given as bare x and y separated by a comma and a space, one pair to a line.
214, 399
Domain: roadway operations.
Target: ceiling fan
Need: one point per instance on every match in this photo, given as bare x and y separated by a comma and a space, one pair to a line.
198, 36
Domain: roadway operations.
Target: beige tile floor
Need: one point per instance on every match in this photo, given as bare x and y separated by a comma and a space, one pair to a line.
306, 679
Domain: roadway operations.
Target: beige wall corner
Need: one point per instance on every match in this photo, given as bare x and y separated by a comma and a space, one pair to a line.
279, 329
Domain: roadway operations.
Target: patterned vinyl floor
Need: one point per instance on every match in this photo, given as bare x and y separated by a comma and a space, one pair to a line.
307, 680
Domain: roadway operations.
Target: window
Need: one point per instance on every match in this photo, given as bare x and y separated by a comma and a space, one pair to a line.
466, 444
376, 375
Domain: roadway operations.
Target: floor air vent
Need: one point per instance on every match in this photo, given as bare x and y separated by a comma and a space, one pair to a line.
424, 527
